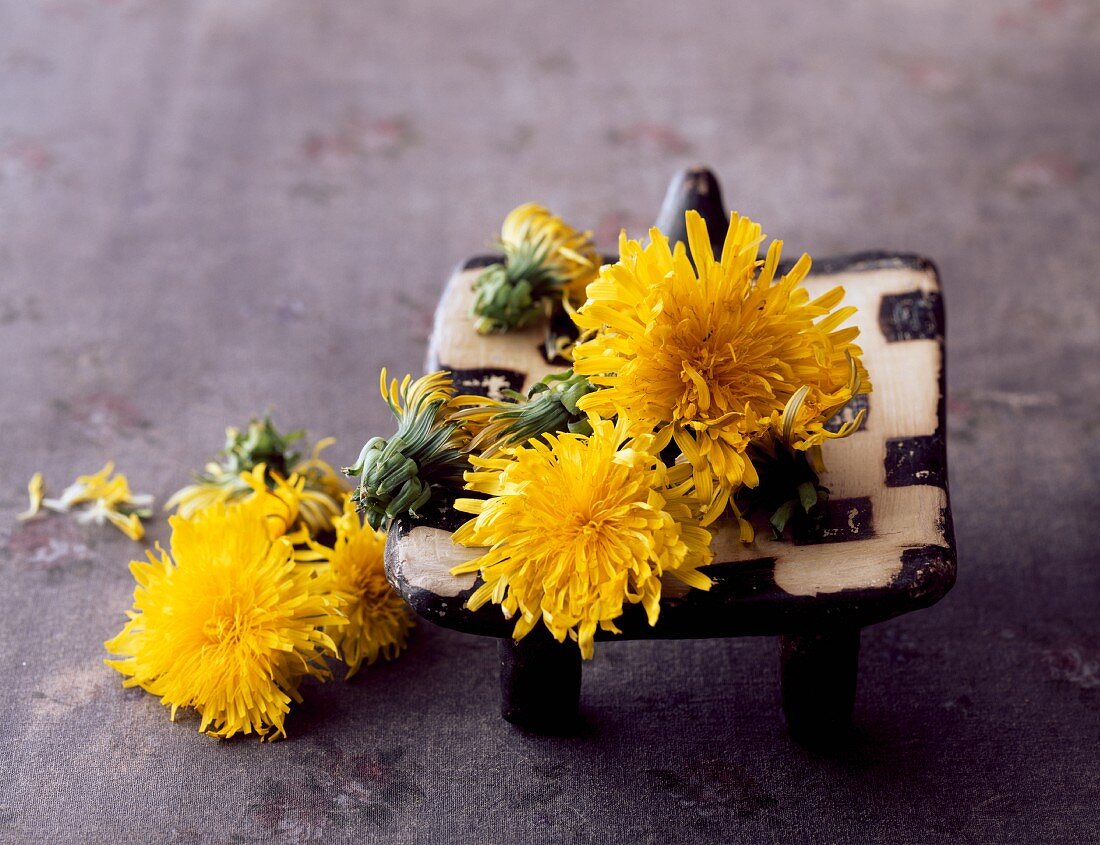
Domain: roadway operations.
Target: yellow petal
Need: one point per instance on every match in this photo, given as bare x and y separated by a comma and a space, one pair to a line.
35, 491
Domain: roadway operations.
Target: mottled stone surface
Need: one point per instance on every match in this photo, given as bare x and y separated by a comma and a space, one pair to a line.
209, 209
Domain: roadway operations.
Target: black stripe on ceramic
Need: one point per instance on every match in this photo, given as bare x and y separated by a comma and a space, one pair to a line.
916, 460
480, 262
849, 412
752, 576
862, 262
946, 524
440, 513
928, 572
917, 315
485, 382
846, 520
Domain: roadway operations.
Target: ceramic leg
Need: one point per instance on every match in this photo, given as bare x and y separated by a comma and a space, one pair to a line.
818, 674
540, 683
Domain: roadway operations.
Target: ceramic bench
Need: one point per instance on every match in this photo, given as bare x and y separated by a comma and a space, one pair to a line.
888, 546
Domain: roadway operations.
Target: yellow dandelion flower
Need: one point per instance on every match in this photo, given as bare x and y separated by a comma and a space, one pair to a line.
543, 258
577, 526
378, 619
105, 498
228, 624
716, 354
401, 474
317, 486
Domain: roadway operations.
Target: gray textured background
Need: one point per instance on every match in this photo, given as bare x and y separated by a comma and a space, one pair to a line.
212, 208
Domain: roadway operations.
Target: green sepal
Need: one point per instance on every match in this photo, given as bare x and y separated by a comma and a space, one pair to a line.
807, 495
550, 406
511, 294
402, 474
781, 517
259, 443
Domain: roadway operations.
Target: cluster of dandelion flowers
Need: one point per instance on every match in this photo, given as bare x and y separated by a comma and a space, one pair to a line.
229, 623
711, 353
577, 526
378, 620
